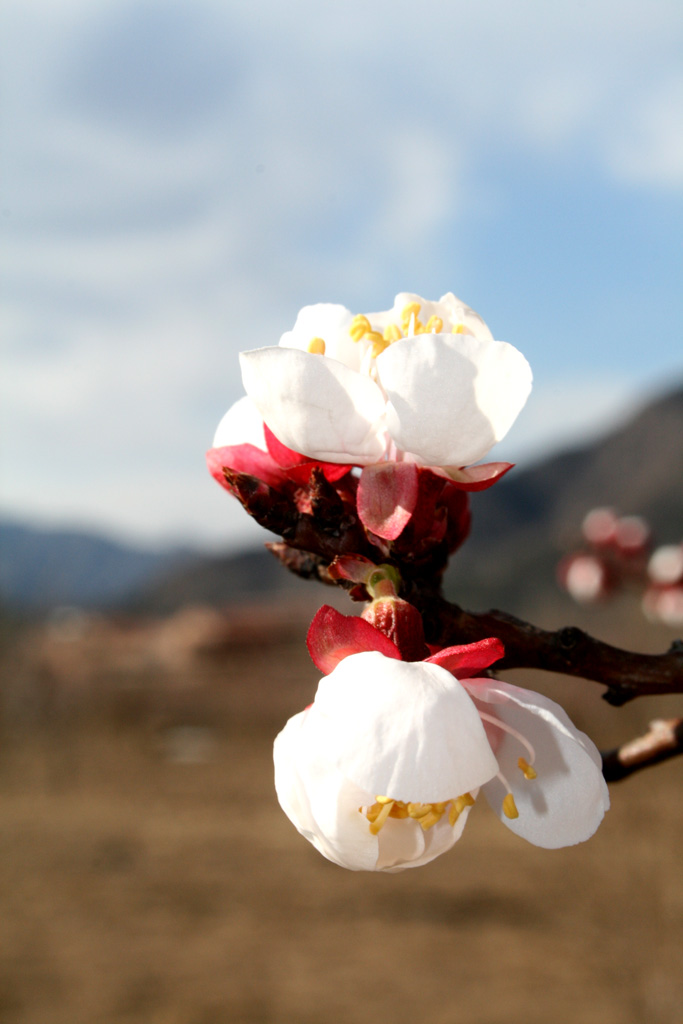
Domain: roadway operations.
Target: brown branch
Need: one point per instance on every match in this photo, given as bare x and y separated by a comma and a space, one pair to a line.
663, 740
325, 535
626, 674
313, 541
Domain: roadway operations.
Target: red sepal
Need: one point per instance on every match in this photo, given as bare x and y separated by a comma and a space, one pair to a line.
467, 660
478, 478
299, 466
246, 459
333, 636
356, 568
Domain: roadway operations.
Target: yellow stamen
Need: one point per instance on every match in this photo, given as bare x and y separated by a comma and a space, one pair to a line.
399, 810
509, 807
434, 325
376, 825
378, 343
525, 768
460, 329
466, 800
360, 325
392, 332
412, 309
426, 815
317, 346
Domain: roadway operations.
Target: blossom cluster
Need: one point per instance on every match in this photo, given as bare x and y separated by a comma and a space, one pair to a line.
618, 553
418, 391
379, 422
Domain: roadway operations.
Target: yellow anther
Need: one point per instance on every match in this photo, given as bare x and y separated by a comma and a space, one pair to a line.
434, 325
392, 332
525, 768
316, 346
466, 800
378, 343
360, 325
377, 824
509, 807
419, 327
412, 309
426, 815
460, 329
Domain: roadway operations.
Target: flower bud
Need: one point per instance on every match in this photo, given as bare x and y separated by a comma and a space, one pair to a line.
401, 622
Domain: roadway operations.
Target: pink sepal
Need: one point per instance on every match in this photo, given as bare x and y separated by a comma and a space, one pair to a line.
387, 495
468, 659
247, 459
478, 478
299, 466
333, 637
356, 568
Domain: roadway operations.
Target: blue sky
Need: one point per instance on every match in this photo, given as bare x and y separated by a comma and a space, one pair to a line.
181, 177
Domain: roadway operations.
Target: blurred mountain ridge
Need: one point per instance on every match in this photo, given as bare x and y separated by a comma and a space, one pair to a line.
45, 568
521, 527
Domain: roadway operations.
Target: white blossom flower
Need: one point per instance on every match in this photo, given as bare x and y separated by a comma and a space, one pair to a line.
424, 381
381, 771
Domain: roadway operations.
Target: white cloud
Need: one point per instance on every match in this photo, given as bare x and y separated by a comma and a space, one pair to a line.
553, 116
345, 151
648, 149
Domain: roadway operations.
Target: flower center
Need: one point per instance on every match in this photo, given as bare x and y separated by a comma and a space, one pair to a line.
362, 330
376, 341
426, 815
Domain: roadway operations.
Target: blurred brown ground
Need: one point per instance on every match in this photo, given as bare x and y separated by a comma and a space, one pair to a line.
148, 875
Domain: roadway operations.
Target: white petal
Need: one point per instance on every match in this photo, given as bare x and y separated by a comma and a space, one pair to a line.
451, 396
568, 799
324, 807
242, 424
318, 800
289, 786
407, 730
316, 405
331, 323
460, 313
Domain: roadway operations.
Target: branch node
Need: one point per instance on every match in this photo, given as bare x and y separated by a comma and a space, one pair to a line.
570, 637
618, 697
